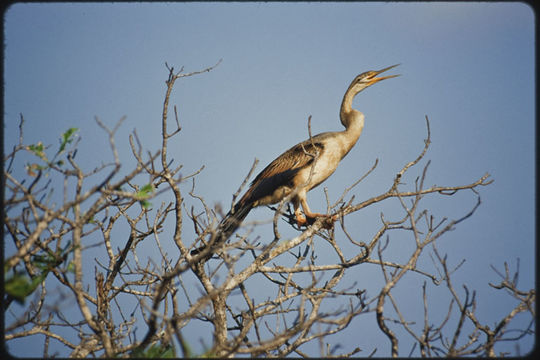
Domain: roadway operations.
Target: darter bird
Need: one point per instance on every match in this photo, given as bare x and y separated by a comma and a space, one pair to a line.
301, 168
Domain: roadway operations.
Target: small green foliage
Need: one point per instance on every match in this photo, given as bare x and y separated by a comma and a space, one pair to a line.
146, 204
19, 286
156, 351
67, 138
38, 150
144, 193
146, 190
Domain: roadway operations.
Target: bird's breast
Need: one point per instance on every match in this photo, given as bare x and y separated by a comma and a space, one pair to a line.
327, 162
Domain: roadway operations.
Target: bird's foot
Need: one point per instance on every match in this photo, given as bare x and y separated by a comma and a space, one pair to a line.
328, 223
301, 220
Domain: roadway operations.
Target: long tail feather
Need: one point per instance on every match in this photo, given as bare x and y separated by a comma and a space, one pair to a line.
225, 229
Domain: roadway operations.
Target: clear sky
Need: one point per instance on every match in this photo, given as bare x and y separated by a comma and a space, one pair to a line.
468, 66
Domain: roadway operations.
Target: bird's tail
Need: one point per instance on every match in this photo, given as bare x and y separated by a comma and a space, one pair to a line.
225, 229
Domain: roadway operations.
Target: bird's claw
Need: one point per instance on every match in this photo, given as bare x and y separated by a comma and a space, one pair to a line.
328, 223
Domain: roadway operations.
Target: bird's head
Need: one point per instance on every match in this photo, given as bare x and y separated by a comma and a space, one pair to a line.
369, 78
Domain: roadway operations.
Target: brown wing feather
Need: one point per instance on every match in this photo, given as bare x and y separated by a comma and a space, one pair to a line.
282, 170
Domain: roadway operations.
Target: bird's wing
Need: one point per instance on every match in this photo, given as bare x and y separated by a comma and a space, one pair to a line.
282, 170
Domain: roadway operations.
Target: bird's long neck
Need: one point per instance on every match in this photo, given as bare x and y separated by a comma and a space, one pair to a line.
352, 119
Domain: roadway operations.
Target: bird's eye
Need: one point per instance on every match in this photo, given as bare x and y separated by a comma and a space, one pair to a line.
366, 75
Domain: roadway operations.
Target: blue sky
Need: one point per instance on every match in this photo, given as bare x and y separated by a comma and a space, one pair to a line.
468, 66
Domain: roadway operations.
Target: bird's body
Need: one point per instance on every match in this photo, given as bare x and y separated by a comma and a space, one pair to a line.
295, 168
302, 167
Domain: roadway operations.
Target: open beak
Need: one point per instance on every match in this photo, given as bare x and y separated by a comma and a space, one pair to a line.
374, 79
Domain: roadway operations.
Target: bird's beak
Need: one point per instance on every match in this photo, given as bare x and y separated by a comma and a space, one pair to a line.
374, 79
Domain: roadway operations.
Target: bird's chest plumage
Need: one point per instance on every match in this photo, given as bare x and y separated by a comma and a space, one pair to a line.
325, 165
302, 167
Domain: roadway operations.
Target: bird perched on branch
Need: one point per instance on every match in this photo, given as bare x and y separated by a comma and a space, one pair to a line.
302, 167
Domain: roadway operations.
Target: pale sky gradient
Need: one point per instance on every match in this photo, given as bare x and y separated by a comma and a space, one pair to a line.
468, 66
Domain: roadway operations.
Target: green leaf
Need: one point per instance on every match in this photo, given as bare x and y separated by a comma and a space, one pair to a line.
146, 190
145, 204
43, 262
156, 351
38, 150
144, 193
168, 353
19, 286
67, 138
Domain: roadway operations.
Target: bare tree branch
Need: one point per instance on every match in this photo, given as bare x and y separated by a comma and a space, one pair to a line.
262, 293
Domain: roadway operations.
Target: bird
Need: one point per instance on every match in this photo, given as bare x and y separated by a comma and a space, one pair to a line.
301, 168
